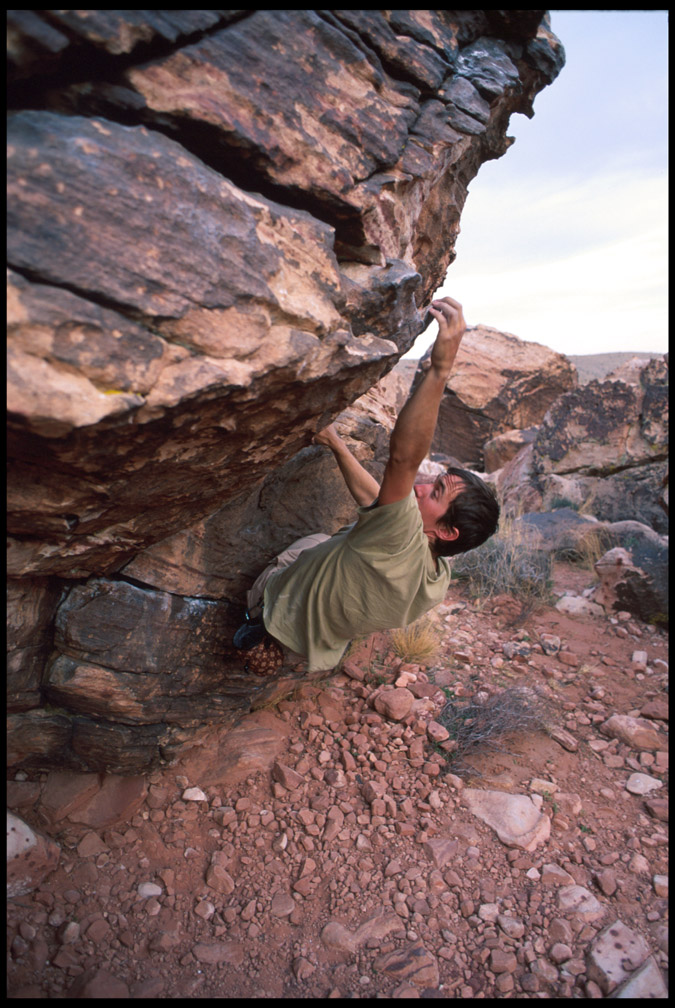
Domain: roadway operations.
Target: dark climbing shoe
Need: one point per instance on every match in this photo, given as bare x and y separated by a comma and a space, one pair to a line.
249, 635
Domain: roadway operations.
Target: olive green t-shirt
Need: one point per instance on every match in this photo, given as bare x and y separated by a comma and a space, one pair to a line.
377, 574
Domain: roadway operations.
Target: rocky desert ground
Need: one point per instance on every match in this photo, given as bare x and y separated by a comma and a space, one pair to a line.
329, 849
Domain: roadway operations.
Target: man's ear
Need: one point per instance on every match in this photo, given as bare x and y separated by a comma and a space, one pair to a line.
446, 534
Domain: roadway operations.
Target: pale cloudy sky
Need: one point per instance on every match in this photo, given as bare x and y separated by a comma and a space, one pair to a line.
564, 238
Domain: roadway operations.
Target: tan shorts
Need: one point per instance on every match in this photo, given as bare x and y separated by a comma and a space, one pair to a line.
255, 594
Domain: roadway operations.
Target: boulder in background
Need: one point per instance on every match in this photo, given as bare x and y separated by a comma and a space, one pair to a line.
499, 383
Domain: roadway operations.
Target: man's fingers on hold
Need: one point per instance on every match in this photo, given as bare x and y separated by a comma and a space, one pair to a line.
451, 301
446, 311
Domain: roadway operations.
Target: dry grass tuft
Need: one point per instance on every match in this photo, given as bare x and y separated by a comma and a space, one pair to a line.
591, 548
484, 721
419, 642
509, 563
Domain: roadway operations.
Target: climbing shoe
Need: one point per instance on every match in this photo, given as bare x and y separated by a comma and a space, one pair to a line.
249, 635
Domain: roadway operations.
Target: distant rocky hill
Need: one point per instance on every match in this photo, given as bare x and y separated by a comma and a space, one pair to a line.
590, 366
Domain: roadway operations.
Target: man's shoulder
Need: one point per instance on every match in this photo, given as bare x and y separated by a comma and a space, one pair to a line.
389, 529
394, 510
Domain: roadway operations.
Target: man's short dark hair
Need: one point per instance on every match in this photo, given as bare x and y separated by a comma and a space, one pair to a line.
474, 513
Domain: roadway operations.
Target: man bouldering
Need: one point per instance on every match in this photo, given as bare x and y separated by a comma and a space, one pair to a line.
389, 567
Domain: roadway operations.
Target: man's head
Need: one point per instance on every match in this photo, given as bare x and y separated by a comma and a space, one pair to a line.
459, 511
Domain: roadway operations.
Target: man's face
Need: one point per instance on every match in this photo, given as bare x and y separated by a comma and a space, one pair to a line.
434, 496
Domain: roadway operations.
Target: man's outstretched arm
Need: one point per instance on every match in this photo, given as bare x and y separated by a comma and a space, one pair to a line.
413, 432
363, 487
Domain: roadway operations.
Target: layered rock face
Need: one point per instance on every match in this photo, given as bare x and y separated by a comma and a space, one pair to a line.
602, 447
221, 227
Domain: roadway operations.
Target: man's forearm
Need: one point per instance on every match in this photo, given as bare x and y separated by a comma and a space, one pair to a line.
363, 487
412, 435
414, 429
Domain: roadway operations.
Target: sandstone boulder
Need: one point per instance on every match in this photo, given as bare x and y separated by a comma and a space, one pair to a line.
635, 579
499, 382
614, 954
203, 357
65, 792
601, 448
642, 784
413, 964
612, 437
336, 935
117, 801
635, 732
31, 856
617, 366
503, 447
517, 485
633, 571
604, 426
37, 46
394, 704
645, 982
562, 531
441, 850
251, 746
97, 800
576, 605
218, 239
579, 902
639, 492
515, 818
31, 607
98, 983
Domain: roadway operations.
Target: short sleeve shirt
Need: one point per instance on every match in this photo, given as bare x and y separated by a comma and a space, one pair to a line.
377, 574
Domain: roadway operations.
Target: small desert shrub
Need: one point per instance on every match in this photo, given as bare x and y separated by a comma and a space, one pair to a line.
418, 642
563, 502
589, 550
482, 722
509, 563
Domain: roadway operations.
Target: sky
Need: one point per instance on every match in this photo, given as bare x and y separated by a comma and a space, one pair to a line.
564, 238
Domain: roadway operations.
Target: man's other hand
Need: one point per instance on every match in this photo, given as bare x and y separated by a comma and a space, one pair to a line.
328, 436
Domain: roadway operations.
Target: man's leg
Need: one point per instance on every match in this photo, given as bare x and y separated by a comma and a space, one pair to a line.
255, 594
252, 632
